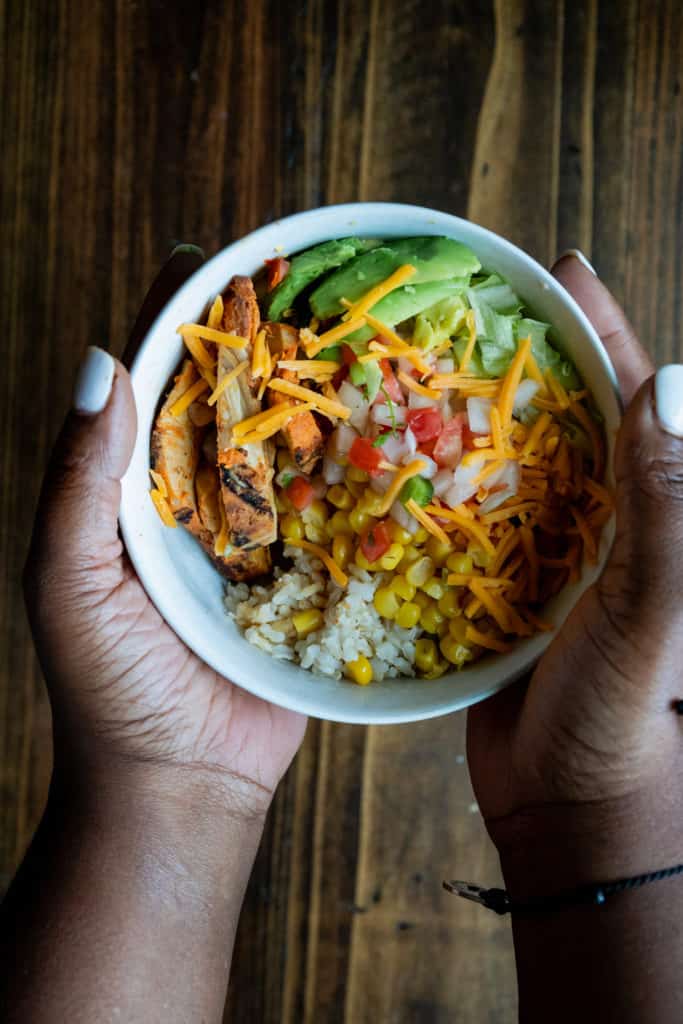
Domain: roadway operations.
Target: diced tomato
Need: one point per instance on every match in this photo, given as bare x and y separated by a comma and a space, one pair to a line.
427, 447
448, 448
391, 384
348, 355
375, 541
425, 423
468, 438
278, 269
339, 377
365, 457
300, 493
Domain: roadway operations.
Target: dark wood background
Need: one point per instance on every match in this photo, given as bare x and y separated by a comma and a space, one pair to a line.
128, 126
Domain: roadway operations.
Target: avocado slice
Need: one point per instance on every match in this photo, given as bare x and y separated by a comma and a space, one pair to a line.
434, 257
405, 302
307, 266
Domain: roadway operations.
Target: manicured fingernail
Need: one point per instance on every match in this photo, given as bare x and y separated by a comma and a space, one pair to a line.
93, 382
669, 398
578, 255
187, 247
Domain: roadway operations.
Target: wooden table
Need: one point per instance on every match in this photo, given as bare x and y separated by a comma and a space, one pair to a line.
127, 127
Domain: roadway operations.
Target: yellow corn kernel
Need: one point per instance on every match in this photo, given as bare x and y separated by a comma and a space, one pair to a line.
438, 670
456, 652
398, 534
437, 551
420, 535
339, 524
371, 502
316, 513
410, 555
434, 588
420, 571
342, 549
316, 534
359, 476
408, 615
340, 497
282, 504
357, 490
362, 562
421, 599
431, 619
392, 557
425, 654
284, 459
481, 558
291, 527
457, 628
307, 622
386, 602
400, 586
449, 604
359, 519
360, 670
460, 563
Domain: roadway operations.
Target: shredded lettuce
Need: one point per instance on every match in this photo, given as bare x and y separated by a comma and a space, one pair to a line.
438, 323
498, 295
547, 357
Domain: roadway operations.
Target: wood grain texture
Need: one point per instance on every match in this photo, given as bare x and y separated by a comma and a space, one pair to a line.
127, 127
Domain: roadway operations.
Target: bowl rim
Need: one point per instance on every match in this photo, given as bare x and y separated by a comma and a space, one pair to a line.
363, 714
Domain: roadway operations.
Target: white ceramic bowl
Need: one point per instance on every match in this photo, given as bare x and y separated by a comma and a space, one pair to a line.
177, 575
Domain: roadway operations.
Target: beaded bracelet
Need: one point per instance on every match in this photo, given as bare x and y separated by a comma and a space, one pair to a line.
595, 894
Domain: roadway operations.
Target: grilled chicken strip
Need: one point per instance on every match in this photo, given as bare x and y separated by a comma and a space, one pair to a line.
246, 473
175, 453
302, 434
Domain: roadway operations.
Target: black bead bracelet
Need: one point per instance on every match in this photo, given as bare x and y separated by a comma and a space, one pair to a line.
595, 894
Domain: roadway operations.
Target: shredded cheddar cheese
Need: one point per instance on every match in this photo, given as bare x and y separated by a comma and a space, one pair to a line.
199, 352
331, 337
266, 424
337, 574
371, 298
466, 525
325, 405
511, 382
487, 640
419, 389
186, 399
160, 482
425, 520
215, 317
211, 334
394, 489
471, 341
314, 369
227, 381
163, 508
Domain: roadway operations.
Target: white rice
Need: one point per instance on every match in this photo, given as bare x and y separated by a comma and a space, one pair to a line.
352, 627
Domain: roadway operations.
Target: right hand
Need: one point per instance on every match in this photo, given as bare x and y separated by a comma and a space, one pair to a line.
577, 772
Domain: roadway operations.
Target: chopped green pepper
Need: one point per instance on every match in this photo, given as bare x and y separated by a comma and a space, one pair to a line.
419, 489
333, 352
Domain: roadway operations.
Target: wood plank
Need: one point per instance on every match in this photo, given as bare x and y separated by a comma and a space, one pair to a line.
127, 128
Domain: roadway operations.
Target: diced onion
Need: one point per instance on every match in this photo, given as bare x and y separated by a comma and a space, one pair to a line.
410, 441
442, 482
380, 414
526, 391
462, 488
394, 448
353, 399
509, 476
333, 473
431, 468
416, 401
445, 365
479, 415
399, 514
382, 482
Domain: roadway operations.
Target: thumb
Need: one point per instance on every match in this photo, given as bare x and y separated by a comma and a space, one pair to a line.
641, 583
75, 546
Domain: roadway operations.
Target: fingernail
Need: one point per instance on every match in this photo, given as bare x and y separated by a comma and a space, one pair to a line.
669, 398
578, 255
93, 382
187, 247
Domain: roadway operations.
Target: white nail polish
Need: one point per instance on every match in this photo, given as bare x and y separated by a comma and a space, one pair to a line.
577, 254
669, 398
94, 382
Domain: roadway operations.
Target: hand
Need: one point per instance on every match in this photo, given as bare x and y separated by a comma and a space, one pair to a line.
127, 695
575, 771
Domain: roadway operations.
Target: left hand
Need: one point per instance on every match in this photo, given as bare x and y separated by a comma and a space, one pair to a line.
127, 695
